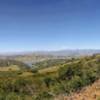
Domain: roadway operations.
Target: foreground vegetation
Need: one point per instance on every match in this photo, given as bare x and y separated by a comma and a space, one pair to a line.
36, 84
91, 92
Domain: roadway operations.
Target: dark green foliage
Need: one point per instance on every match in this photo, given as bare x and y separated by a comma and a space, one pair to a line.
66, 73
79, 74
12, 96
34, 70
48, 81
44, 96
75, 83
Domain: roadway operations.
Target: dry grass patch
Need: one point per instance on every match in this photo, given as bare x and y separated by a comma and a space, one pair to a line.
10, 68
24, 74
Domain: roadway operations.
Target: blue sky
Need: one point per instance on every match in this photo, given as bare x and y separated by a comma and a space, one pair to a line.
27, 25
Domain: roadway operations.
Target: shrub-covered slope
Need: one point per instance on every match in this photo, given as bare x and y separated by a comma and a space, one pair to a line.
68, 78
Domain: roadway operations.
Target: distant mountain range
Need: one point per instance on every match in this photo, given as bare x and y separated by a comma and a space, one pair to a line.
33, 57
69, 52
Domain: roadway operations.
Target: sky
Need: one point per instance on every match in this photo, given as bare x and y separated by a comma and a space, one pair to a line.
30, 25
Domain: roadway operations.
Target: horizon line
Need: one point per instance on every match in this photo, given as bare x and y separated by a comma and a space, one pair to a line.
36, 51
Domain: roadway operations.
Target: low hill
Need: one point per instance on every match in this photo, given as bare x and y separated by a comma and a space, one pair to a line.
12, 65
91, 92
58, 77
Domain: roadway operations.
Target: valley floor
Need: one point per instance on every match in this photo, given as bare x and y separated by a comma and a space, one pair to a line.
91, 92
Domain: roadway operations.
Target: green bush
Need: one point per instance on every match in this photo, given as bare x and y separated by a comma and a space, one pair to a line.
48, 81
76, 83
12, 96
44, 96
34, 70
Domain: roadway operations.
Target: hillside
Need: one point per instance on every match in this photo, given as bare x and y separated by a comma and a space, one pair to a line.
51, 79
31, 57
91, 92
12, 65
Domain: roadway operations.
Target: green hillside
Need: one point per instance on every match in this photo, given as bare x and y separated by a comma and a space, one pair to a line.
63, 77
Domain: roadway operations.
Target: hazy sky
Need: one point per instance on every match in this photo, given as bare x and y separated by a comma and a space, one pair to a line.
27, 25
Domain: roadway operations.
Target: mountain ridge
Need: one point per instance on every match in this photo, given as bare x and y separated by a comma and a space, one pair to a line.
66, 52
